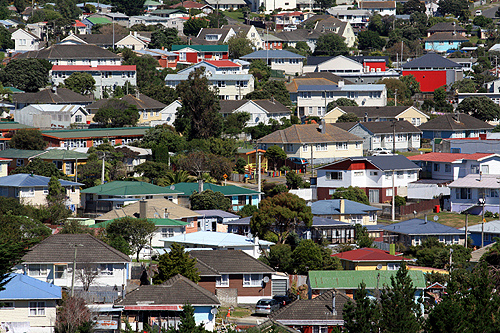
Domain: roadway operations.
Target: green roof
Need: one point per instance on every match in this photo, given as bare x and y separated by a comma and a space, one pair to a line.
14, 90
188, 188
63, 154
128, 188
99, 20
152, 3
10, 125
96, 132
351, 279
204, 48
19, 153
157, 222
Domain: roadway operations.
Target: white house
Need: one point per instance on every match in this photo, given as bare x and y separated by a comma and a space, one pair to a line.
379, 7
356, 17
215, 220
472, 191
168, 114
51, 115
261, 111
25, 41
289, 62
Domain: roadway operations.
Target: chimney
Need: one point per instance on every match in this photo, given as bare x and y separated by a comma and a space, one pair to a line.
137, 94
334, 308
163, 48
135, 33
480, 175
340, 83
54, 89
200, 185
143, 209
323, 28
342, 206
323, 126
425, 218
165, 213
366, 117
272, 99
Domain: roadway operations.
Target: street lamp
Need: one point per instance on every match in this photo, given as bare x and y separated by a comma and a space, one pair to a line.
482, 202
75, 246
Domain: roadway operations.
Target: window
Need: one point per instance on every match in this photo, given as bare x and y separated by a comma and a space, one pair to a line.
242, 84
436, 167
358, 145
310, 109
375, 94
376, 139
19, 162
222, 281
321, 110
305, 94
356, 219
388, 175
182, 56
415, 121
393, 266
358, 173
59, 271
106, 269
6, 305
37, 308
447, 168
252, 280
373, 173
400, 174
78, 118
493, 193
341, 145
27, 192
305, 147
167, 232
322, 146
352, 94
388, 192
327, 94
242, 200
333, 175
320, 329
485, 169
69, 168
221, 84
145, 115
289, 147
463, 193
474, 168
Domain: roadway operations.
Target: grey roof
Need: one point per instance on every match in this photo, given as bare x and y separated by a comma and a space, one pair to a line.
326, 75
446, 27
298, 35
421, 227
375, 111
476, 181
327, 222
142, 102
272, 54
230, 262
430, 60
177, 290
316, 60
48, 96
30, 180
332, 207
309, 133
381, 127
454, 122
214, 31
215, 212
59, 248
492, 227
445, 36
100, 39
63, 51
384, 163
242, 221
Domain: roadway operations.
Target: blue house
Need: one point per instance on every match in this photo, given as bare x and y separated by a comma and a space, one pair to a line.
29, 304
454, 125
490, 229
444, 41
346, 211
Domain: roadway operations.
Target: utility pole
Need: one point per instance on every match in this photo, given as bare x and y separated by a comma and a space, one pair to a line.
395, 97
74, 269
393, 208
393, 136
103, 168
482, 201
466, 227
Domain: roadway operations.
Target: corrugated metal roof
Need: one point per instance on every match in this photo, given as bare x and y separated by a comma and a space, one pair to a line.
96, 133
188, 188
157, 222
29, 180
202, 48
430, 60
217, 239
23, 287
477, 181
421, 227
332, 207
129, 188
20, 153
272, 54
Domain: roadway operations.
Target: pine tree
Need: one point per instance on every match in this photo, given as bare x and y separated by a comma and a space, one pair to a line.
362, 316
177, 261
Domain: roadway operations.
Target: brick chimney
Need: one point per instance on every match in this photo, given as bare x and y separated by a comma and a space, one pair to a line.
143, 209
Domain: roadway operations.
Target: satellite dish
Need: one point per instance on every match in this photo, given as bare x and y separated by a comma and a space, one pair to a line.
266, 279
214, 311
172, 187
379, 266
436, 218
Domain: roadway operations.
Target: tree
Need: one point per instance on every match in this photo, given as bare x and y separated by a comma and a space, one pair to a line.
347, 118
411, 84
129, 7
480, 107
209, 199
464, 86
57, 193
392, 85
293, 180
38, 167
325, 4
193, 26
28, 139
482, 21
275, 154
239, 46
330, 44
362, 316
79, 82
198, 162
6, 41
68, 9
235, 122
399, 311
310, 256
370, 40
281, 214
342, 101
362, 237
26, 74
240, 165
351, 193
136, 232
413, 6
73, 316
453, 7
247, 210
117, 113
177, 261
164, 37
272, 89
199, 116
216, 19
260, 70
187, 323
86, 273
279, 257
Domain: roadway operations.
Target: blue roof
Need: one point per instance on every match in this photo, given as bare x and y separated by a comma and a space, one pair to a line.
29, 180
327, 222
216, 213
334, 87
421, 227
24, 287
265, 54
209, 238
332, 207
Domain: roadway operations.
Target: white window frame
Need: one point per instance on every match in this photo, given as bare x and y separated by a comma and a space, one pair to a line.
252, 280
305, 147
222, 281
106, 269
37, 309
342, 145
339, 175
322, 146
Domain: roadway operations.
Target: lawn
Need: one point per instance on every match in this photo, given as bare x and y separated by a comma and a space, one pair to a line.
235, 15
450, 219
236, 312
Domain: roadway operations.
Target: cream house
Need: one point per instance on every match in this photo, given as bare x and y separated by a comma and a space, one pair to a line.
4, 166
168, 114
25, 41
379, 113
318, 143
283, 60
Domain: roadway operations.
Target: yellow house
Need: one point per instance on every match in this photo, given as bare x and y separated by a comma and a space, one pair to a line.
369, 259
4, 166
379, 113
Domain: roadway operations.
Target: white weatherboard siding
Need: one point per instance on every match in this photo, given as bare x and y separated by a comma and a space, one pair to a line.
259, 115
43, 322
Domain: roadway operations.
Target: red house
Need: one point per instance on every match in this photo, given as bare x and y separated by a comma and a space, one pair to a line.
93, 137
433, 71
193, 54
372, 63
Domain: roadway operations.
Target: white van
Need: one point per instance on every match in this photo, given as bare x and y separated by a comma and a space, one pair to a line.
479, 12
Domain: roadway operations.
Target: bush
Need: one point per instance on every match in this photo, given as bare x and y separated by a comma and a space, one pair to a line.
400, 201
488, 214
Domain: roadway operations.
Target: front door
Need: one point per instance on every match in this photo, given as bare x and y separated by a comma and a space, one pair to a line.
373, 195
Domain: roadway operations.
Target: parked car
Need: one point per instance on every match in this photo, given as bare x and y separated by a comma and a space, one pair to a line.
295, 163
266, 306
479, 12
381, 151
282, 300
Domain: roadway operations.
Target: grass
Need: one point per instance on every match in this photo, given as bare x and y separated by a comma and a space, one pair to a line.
235, 16
236, 312
450, 219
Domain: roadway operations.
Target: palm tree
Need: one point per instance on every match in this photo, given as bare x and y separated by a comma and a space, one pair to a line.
174, 177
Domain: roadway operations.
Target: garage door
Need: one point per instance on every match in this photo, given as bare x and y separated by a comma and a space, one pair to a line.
279, 287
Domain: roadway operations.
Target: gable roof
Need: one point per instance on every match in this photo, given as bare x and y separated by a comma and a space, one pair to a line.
351, 279
455, 122
377, 111
129, 188
30, 180
308, 133
186, 189
158, 222
296, 83
176, 291
188, 4
20, 153
430, 60
474, 180
222, 63
223, 32
96, 133
64, 51
446, 27
228, 106
422, 227
332, 207
445, 36
143, 102
98, 39
214, 239
202, 48
59, 248
450, 157
381, 127
298, 35
271, 54
384, 163
23, 287
377, 4
326, 75
48, 96
230, 262
216, 213
368, 254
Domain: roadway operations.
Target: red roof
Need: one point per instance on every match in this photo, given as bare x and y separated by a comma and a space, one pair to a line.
290, 14
5, 159
79, 24
188, 4
85, 68
222, 63
368, 254
448, 157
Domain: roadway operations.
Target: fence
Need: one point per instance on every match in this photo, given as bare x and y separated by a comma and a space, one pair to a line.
419, 207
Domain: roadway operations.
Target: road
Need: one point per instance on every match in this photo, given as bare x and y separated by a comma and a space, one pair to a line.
490, 12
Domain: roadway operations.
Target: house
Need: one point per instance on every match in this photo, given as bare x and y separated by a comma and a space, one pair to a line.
192, 54
454, 125
131, 41
493, 88
319, 143
25, 41
161, 305
134, 156
170, 13
166, 59
428, 189
282, 60
347, 282
29, 304
299, 35
7, 130
91, 21
333, 24
213, 36
168, 114
93, 137
400, 134
207, 9
288, 20
32, 189
219, 241
379, 7
446, 27
226, 4
372, 63
79, 27
116, 194
444, 41
433, 71
413, 232
248, 31
320, 314
379, 113
451, 166
369, 259
46, 116
357, 18
271, 42
223, 272
100, 7
238, 195
54, 96
475, 192
215, 219
345, 211
52, 260
485, 143
490, 230
151, 5
376, 175
4, 164
230, 79
261, 111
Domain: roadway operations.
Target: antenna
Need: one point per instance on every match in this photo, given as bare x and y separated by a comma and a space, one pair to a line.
379, 266
435, 218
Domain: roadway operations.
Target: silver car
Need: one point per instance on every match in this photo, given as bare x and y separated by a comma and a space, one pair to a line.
266, 306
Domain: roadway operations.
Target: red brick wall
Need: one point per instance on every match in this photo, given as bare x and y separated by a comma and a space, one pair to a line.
236, 282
